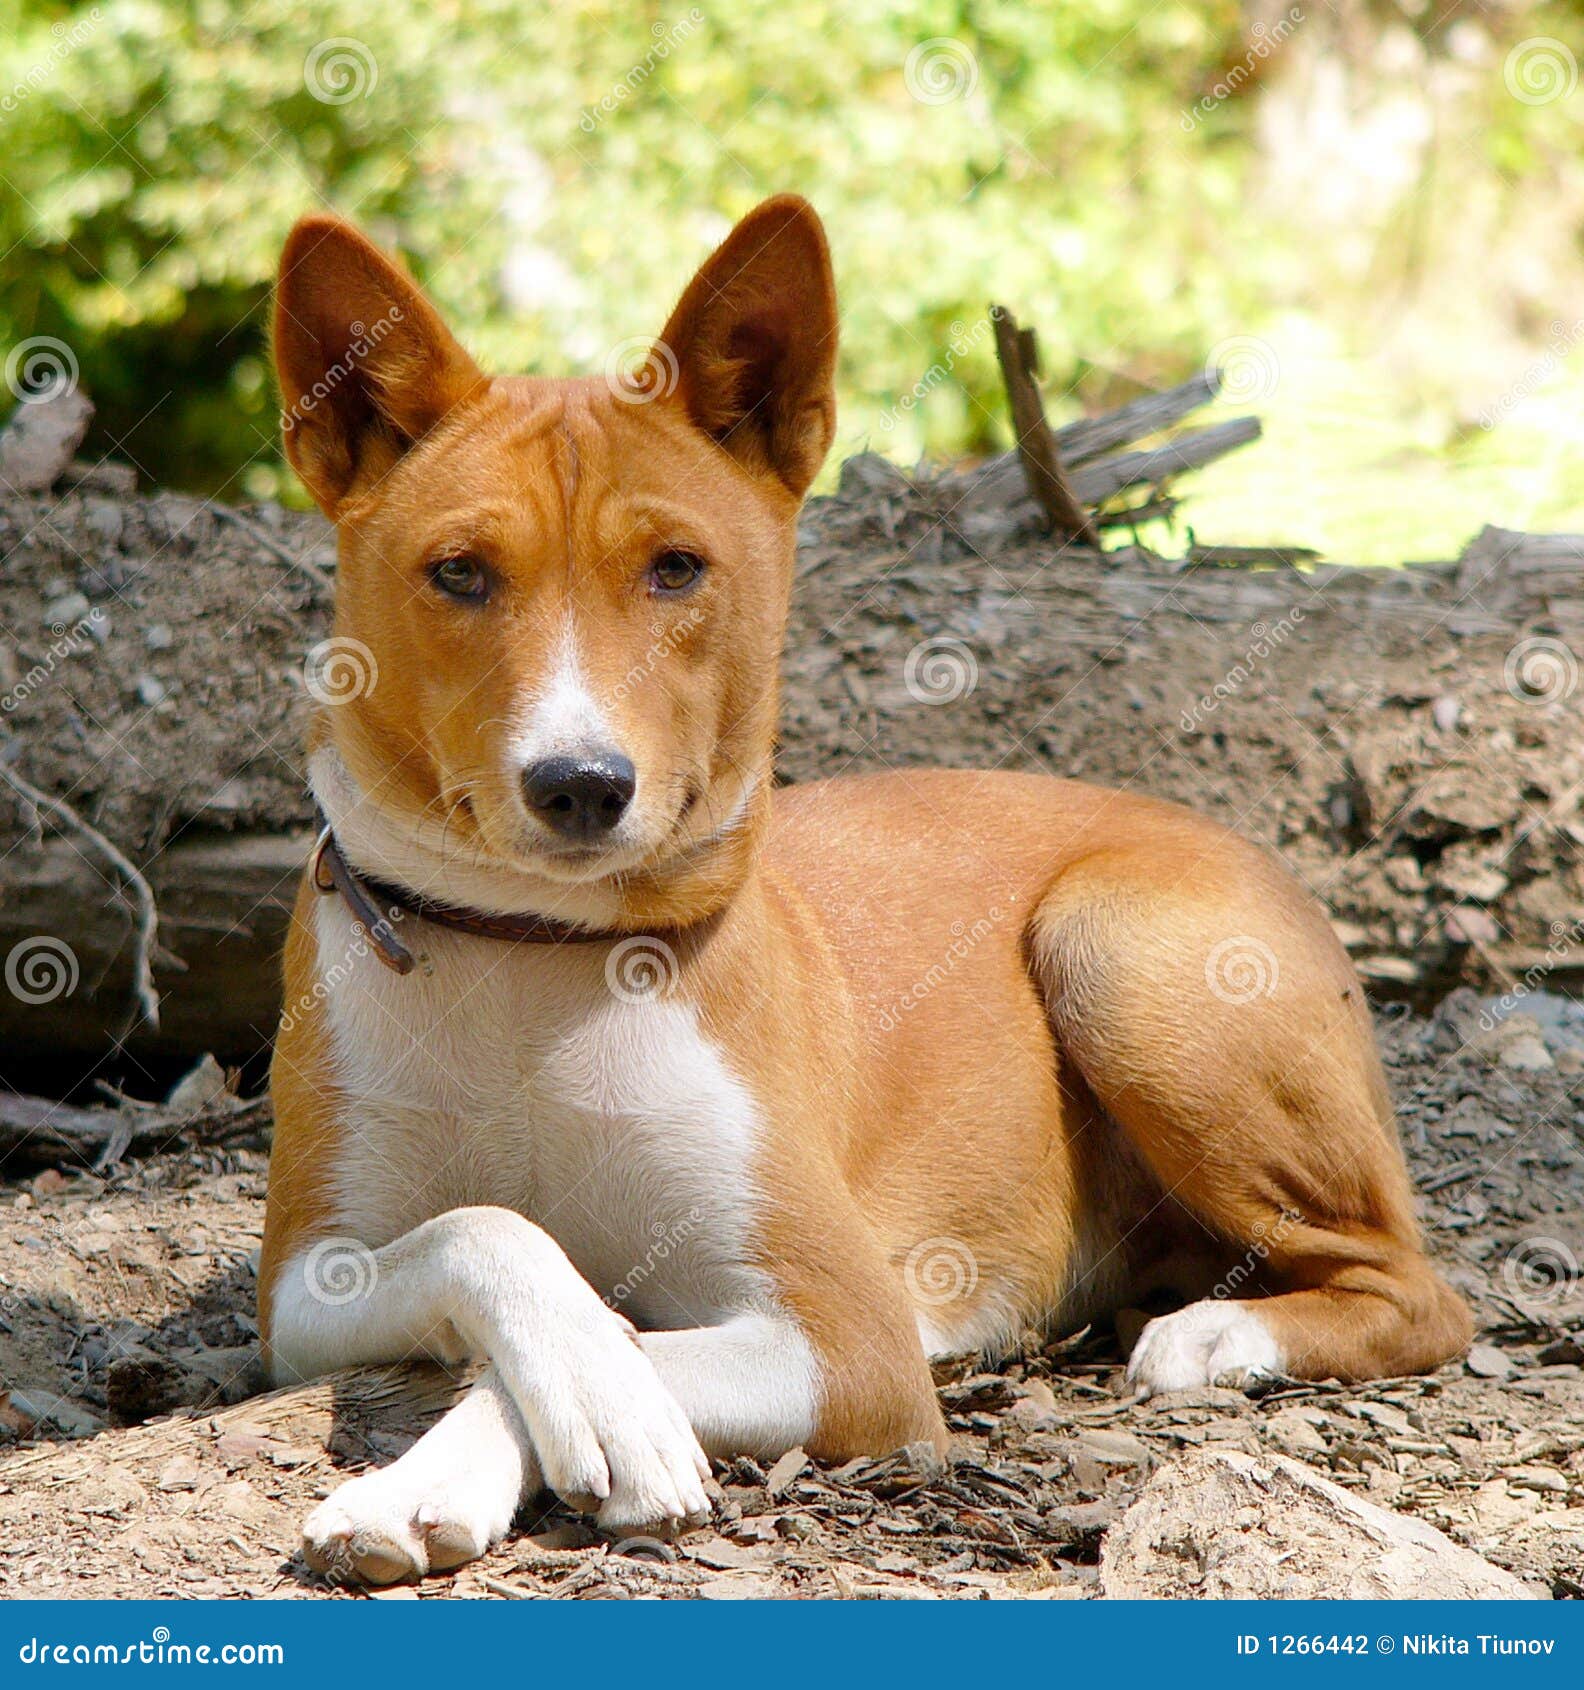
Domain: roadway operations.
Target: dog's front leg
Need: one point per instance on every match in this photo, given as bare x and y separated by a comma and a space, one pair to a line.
600, 1427
442, 1503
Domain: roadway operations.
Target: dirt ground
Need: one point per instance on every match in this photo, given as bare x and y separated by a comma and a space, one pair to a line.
139, 1464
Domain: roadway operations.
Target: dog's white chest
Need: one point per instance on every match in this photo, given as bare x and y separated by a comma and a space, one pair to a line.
517, 1076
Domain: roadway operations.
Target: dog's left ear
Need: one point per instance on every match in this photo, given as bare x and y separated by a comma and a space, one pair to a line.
754, 343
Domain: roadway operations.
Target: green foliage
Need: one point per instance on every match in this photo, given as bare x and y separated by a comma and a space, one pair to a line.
553, 172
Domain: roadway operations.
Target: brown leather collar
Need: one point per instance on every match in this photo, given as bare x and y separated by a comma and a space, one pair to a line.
375, 903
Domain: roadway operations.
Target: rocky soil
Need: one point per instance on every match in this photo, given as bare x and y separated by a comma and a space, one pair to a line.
139, 1463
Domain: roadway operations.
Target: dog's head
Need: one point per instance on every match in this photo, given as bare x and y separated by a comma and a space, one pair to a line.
571, 594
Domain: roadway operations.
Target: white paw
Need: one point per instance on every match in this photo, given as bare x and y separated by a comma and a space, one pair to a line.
408, 1519
610, 1438
1206, 1343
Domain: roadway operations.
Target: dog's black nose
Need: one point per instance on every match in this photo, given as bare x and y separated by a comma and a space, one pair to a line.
581, 797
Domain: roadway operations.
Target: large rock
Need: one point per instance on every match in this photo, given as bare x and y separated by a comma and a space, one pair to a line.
1222, 1524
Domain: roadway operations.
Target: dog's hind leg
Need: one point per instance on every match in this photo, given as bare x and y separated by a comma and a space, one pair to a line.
1216, 1019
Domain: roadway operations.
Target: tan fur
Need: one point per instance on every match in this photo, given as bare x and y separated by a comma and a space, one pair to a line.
970, 1007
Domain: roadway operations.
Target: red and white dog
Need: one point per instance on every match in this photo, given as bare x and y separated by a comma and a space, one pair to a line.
706, 1114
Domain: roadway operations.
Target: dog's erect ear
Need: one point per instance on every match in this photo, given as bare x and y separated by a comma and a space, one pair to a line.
754, 343
366, 367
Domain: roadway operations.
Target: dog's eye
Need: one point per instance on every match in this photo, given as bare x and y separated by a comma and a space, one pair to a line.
460, 578
674, 571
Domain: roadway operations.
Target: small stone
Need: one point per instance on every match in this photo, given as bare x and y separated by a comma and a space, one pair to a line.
1446, 712
69, 608
150, 690
1117, 1448
1527, 1054
1485, 1361
180, 1473
785, 1471
158, 637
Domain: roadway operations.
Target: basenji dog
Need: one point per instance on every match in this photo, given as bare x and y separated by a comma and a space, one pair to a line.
704, 1114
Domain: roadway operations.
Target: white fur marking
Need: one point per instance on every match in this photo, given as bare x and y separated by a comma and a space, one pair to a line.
564, 719
1202, 1344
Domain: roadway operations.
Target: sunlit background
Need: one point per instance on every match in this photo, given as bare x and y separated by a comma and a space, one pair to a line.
1371, 212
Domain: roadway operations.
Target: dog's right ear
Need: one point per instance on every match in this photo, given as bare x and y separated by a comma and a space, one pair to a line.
366, 367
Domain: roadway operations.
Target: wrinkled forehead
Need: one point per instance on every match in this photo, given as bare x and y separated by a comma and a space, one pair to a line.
569, 474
